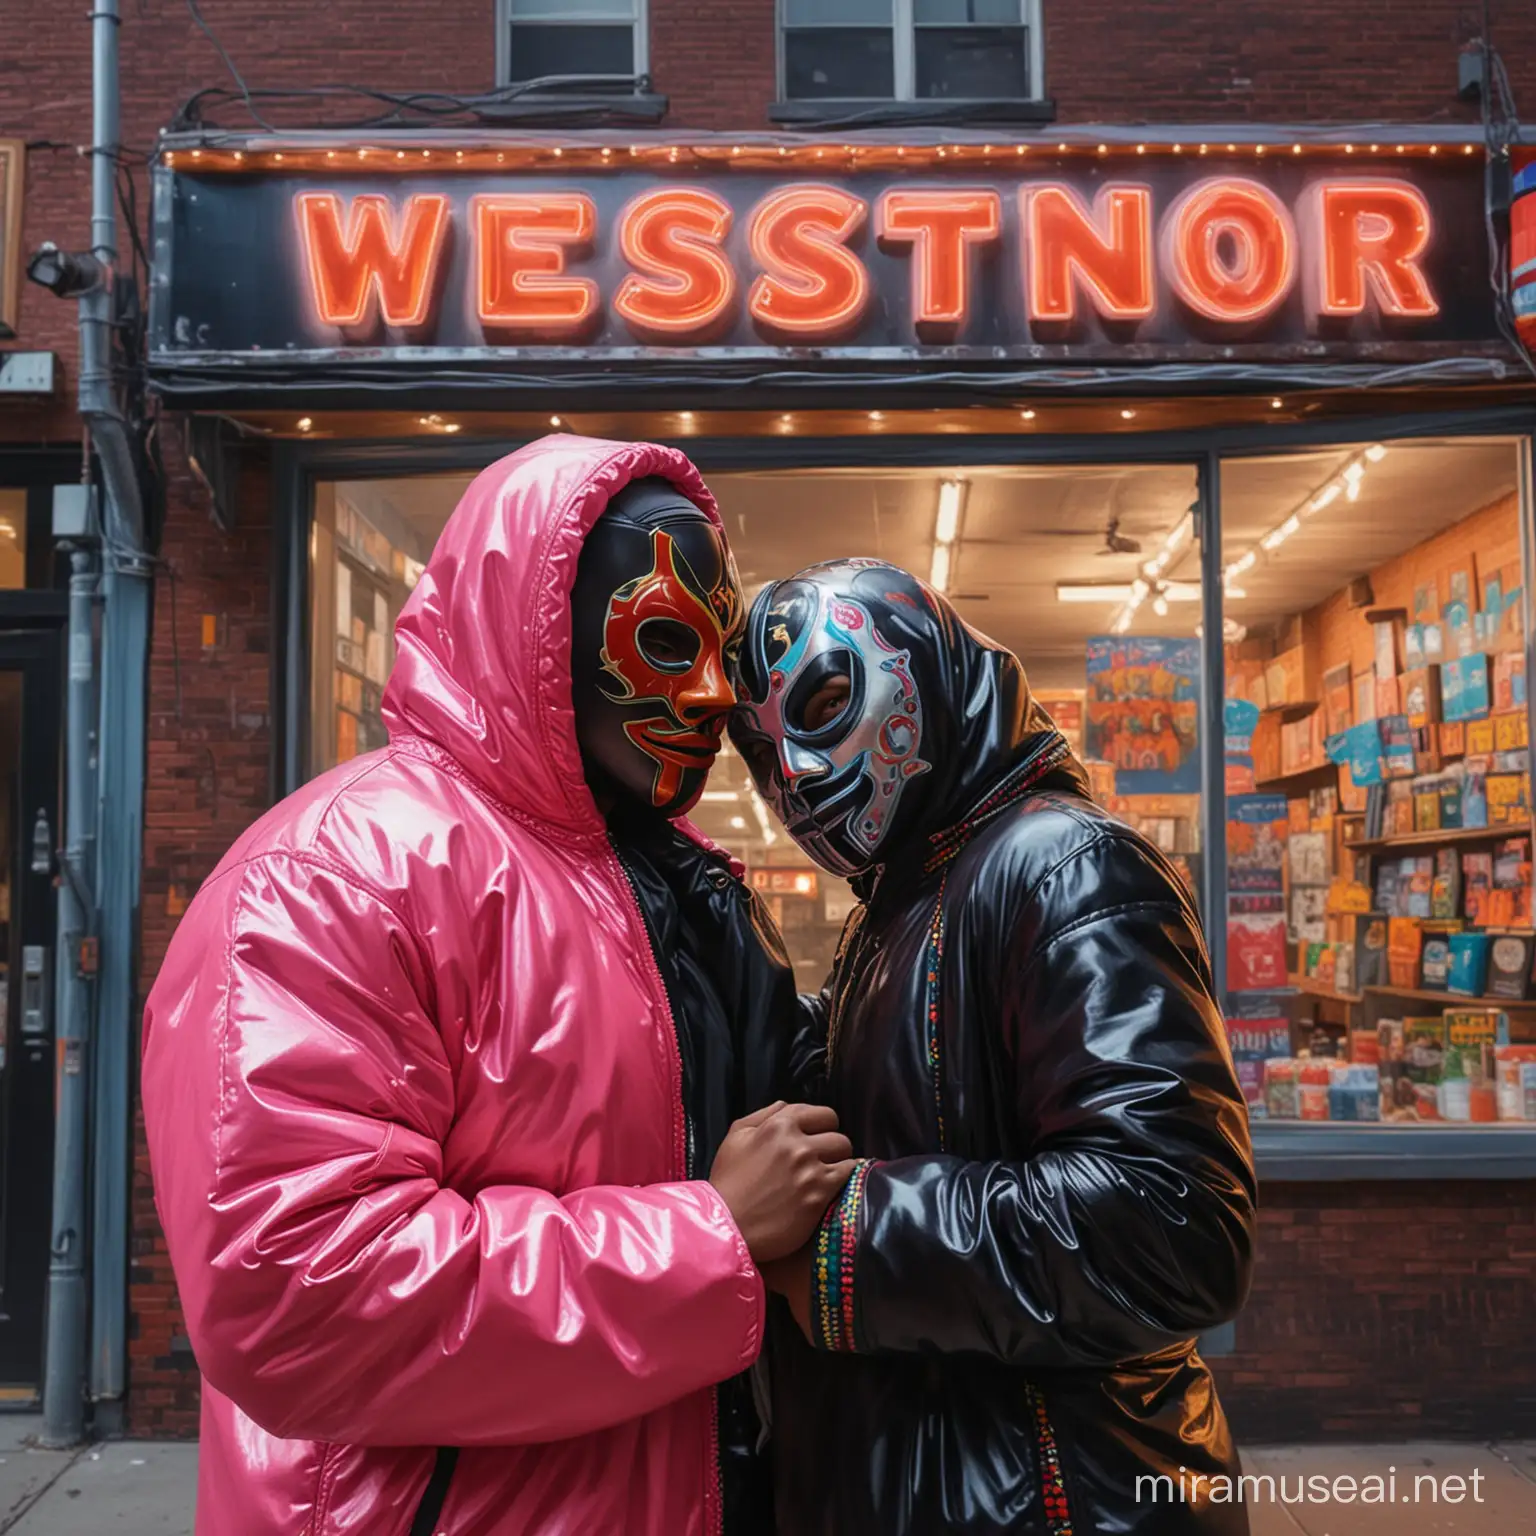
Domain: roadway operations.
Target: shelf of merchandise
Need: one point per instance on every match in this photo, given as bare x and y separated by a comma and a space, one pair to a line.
1300, 778
1329, 994
1409, 840
1449, 999
1296, 711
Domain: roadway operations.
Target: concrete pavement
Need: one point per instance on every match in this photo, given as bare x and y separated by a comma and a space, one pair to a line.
133, 1488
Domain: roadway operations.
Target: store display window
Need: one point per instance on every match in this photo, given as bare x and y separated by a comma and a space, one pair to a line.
1047, 561
1375, 917
1378, 934
369, 540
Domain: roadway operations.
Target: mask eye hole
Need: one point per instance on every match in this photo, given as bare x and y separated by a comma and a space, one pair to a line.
822, 695
827, 703
668, 644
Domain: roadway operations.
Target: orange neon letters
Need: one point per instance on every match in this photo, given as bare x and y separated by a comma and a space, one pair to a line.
1261, 270
1107, 250
811, 283
363, 269
520, 250
674, 237
942, 226
1372, 233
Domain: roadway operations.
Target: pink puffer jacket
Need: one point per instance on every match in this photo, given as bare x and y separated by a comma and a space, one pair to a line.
414, 1101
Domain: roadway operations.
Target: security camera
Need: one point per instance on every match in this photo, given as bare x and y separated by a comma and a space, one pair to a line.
65, 273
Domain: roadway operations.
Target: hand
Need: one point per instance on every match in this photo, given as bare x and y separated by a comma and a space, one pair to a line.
777, 1172
791, 1279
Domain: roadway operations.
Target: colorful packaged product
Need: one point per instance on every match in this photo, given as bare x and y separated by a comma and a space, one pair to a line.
1370, 951
1510, 957
1314, 1076
1435, 961
1468, 967
1477, 878
1282, 1088
1405, 940
1510, 1062
1424, 1041
1354, 1092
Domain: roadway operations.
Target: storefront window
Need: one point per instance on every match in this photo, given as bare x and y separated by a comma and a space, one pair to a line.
1047, 561
13, 538
1379, 926
368, 543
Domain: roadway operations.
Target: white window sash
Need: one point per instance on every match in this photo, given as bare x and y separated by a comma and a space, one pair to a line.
640, 22
904, 48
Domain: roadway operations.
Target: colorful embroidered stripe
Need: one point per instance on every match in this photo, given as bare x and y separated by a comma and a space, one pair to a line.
948, 843
934, 970
832, 1275
1053, 1488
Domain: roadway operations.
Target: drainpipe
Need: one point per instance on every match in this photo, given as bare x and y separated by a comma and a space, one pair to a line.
64, 1381
125, 590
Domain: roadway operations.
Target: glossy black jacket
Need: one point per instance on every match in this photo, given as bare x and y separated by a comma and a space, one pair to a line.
1024, 1039
744, 1041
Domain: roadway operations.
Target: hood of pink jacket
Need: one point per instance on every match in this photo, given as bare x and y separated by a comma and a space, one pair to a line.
483, 646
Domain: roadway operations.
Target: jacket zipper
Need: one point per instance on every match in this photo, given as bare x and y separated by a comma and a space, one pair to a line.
714, 1506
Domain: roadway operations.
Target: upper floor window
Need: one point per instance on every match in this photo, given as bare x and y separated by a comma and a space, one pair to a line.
911, 50
594, 45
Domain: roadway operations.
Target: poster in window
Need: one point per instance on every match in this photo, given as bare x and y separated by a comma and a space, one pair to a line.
1143, 712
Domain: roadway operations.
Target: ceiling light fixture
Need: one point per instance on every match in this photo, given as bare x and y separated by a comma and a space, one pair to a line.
946, 527
938, 576
720, 794
1093, 592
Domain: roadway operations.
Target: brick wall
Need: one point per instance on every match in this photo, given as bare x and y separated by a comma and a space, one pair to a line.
1149, 60
208, 779
1388, 1312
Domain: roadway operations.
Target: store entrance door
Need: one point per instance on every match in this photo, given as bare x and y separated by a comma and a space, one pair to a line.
31, 682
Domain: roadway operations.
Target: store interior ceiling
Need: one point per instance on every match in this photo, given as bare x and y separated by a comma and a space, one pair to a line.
1026, 529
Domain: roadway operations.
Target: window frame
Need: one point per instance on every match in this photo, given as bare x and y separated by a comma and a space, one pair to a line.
640, 26
1284, 1150
904, 57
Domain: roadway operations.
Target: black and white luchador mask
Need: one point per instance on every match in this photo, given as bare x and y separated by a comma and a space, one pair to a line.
838, 780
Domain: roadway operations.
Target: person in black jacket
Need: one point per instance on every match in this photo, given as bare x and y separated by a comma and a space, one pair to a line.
1055, 1192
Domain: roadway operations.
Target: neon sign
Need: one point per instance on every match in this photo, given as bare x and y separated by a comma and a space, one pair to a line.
1227, 249
1040, 258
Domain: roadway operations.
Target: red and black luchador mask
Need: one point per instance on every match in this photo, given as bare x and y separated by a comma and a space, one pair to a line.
656, 616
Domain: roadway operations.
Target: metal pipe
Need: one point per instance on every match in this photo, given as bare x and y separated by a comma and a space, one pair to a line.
64, 1375
1213, 722
124, 679
127, 593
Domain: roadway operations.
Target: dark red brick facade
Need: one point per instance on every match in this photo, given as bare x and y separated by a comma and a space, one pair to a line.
1387, 1312
1376, 1308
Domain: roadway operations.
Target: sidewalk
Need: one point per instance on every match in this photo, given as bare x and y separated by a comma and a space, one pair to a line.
134, 1488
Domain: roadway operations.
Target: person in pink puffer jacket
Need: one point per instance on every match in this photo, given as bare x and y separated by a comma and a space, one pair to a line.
443, 1050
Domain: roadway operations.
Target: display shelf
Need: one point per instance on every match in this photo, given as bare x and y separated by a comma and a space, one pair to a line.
1328, 994
1449, 999
1436, 839
1294, 711
1319, 772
